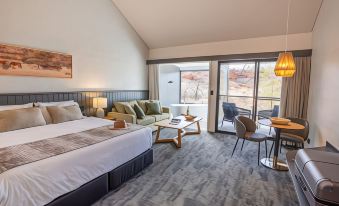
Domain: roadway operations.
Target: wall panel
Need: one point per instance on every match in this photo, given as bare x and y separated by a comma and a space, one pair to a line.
84, 98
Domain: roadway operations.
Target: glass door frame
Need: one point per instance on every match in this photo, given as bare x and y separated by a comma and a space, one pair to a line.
255, 88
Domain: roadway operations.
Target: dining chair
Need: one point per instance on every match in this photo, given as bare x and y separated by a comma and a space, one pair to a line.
245, 128
297, 137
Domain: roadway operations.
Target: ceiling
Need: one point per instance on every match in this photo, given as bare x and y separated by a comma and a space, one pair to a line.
164, 23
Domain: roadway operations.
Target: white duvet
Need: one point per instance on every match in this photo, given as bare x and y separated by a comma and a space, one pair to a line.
40, 182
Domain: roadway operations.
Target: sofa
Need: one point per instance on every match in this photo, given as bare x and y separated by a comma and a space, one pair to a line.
119, 113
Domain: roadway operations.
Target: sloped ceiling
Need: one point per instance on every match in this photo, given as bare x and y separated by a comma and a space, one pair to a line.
164, 23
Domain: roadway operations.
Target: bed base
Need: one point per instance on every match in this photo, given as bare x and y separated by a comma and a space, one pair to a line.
92, 191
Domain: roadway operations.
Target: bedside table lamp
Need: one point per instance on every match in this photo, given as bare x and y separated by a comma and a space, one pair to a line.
100, 103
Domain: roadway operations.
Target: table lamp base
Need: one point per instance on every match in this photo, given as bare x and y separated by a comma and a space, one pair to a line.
100, 113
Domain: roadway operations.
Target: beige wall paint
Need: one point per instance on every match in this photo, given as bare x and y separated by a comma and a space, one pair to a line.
323, 111
253, 45
107, 52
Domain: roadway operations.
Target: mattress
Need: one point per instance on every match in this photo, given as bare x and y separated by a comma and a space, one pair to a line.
40, 182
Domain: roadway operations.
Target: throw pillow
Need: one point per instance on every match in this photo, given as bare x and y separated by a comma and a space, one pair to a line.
157, 101
20, 119
120, 107
132, 103
129, 109
46, 115
142, 104
153, 108
139, 112
64, 114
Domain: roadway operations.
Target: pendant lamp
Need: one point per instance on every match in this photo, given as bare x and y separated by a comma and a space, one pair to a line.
285, 66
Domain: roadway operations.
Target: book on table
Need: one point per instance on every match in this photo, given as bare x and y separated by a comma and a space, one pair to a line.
175, 121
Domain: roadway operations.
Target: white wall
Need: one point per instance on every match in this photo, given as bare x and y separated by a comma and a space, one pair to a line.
107, 52
243, 46
323, 110
169, 92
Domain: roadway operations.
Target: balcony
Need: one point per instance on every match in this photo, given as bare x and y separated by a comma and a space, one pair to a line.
245, 106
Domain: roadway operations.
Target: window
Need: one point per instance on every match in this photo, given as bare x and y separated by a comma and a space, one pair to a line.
251, 86
194, 87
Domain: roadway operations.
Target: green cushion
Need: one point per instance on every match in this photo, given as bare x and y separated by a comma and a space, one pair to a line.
139, 112
158, 103
120, 107
153, 108
129, 110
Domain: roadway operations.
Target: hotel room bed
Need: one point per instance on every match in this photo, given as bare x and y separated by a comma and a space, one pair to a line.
43, 181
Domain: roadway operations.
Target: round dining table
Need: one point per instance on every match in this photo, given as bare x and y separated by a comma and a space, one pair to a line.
275, 163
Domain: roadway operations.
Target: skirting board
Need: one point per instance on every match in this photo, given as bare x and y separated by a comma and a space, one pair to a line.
331, 147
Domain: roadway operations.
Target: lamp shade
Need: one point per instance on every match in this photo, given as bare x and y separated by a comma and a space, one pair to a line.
285, 66
100, 102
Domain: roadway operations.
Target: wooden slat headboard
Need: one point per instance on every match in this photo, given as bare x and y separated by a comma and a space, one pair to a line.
84, 98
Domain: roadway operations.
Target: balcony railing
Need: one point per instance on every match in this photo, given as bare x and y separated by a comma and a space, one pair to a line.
246, 102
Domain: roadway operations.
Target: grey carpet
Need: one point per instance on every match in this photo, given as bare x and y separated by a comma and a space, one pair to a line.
201, 173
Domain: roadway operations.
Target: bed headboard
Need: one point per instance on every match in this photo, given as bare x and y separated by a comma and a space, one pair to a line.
84, 98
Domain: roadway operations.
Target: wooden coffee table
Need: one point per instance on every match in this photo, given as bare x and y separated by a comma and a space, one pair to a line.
180, 127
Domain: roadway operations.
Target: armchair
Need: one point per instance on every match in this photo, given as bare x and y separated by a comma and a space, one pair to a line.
231, 111
266, 114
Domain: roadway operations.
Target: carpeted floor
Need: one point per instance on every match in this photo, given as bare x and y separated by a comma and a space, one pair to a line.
201, 173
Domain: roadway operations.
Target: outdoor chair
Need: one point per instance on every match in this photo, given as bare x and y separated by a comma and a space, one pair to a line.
267, 114
231, 111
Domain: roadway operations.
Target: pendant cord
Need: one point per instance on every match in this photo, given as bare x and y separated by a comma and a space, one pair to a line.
288, 18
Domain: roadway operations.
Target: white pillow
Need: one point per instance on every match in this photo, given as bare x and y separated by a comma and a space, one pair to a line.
61, 104
13, 107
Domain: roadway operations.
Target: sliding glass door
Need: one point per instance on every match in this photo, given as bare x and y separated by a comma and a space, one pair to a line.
247, 88
236, 92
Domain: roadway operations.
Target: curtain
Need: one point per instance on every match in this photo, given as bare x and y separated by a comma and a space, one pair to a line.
153, 81
295, 90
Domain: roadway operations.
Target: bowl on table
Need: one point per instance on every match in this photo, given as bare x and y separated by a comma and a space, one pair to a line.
189, 117
281, 121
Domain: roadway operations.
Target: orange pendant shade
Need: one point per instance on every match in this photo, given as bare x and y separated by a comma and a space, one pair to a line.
285, 66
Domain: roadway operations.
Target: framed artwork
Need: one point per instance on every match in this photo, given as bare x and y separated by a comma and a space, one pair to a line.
19, 61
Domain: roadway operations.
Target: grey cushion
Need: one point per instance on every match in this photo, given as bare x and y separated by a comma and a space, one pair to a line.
64, 114
139, 112
255, 137
146, 120
21, 119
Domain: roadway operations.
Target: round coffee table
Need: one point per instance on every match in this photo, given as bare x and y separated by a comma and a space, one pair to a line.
275, 163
